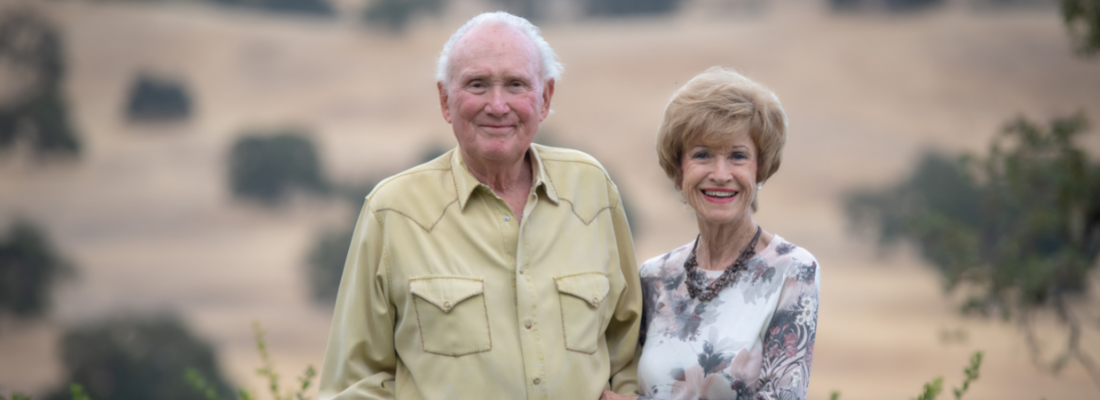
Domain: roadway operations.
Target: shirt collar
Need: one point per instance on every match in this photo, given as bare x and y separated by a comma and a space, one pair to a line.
466, 183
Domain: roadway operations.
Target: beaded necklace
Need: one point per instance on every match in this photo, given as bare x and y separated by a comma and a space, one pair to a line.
694, 275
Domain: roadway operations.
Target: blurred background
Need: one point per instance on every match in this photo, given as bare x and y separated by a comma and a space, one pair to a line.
173, 170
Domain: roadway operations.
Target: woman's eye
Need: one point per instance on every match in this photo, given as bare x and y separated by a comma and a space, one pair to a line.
700, 155
740, 156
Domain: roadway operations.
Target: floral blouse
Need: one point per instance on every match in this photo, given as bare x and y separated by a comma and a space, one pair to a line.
755, 340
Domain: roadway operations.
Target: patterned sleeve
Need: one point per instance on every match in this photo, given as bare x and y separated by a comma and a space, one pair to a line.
789, 338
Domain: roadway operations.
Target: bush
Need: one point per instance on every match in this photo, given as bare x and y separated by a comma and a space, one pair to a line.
154, 99
29, 267
886, 5
136, 358
326, 263
320, 8
36, 112
395, 15
264, 167
611, 8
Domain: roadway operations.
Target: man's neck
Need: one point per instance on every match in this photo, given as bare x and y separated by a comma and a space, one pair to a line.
511, 181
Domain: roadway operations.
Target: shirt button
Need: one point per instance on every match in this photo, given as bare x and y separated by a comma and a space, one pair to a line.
507, 218
527, 324
537, 380
446, 304
595, 302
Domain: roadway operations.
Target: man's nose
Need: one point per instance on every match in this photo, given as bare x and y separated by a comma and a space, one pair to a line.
498, 102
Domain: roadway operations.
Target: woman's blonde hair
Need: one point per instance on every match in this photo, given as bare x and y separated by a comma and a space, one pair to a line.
710, 108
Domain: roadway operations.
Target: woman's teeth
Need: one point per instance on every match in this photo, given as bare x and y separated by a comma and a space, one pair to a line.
721, 195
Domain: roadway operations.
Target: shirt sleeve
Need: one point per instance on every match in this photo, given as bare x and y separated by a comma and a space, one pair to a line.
789, 337
360, 360
622, 330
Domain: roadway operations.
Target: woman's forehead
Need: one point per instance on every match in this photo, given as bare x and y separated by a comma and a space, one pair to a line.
721, 139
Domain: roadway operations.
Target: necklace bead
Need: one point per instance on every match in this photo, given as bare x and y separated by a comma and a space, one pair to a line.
695, 278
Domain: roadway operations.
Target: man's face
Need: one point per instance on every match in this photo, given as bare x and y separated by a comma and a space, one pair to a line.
495, 99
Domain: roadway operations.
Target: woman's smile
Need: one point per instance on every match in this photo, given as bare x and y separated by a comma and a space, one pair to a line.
718, 195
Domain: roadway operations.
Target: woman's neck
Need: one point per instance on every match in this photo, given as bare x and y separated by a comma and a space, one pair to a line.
721, 244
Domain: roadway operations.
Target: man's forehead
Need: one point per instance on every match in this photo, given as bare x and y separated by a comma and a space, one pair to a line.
490, 42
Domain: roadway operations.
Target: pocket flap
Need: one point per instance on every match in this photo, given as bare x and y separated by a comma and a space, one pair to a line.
591, 287
446, 292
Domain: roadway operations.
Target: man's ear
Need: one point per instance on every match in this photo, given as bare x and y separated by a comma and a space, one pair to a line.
443, 102
547, 94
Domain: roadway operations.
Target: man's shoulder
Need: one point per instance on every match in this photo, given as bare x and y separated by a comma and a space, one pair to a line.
563, 160
574, 173
420, 192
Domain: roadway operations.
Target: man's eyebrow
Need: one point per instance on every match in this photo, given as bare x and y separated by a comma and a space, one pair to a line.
474, 76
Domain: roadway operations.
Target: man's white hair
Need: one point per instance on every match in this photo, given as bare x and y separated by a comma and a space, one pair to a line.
549, 65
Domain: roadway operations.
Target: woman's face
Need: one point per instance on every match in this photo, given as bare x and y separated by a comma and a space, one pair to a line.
719, 181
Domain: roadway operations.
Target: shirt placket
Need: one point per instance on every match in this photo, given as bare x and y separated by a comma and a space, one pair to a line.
534, 361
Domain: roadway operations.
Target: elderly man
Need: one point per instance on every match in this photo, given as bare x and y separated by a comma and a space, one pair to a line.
500, 270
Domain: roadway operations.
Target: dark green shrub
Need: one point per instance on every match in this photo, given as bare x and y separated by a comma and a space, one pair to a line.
395, 15
264, 167
36, 112
532, 10
885, 5
319, 8
612, 8
29, 267
156, 99
326, 263
136, 358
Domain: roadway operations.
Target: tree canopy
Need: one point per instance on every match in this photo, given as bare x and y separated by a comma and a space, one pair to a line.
1082, 18
29, 267
265, 166
137, 358
1019, 229
35, 110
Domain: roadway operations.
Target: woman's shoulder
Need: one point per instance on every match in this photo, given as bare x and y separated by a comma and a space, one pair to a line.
790, 258
663, 263
787, 251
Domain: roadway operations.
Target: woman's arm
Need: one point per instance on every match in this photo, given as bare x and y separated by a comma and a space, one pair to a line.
789, 338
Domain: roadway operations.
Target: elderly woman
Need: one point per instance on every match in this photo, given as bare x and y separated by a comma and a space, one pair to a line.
733, 313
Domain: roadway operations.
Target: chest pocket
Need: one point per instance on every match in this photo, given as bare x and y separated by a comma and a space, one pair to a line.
451, 315
582, 298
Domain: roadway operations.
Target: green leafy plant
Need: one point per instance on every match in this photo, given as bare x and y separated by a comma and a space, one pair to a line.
267, 370
77, 392
15, 396
931, 389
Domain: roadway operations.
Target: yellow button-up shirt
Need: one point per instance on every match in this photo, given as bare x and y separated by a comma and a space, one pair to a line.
445, 296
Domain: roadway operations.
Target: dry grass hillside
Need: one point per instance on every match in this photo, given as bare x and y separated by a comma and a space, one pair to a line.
147, 215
